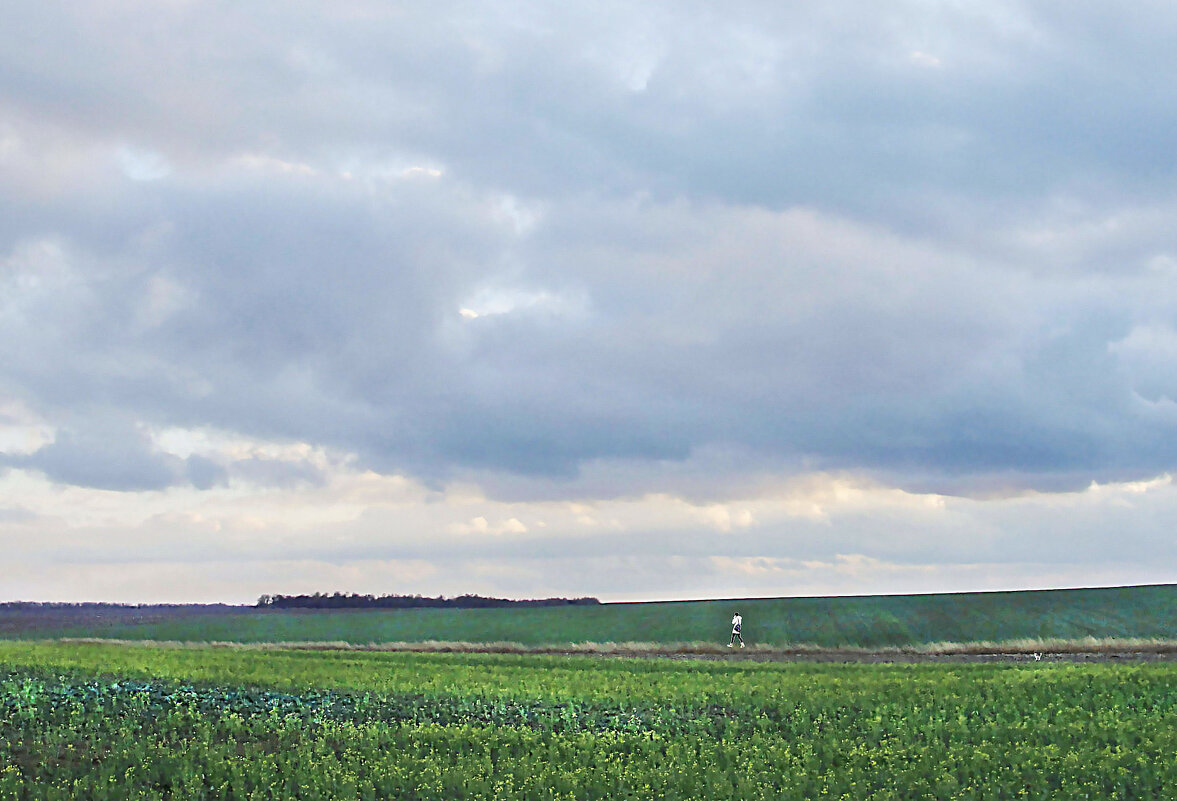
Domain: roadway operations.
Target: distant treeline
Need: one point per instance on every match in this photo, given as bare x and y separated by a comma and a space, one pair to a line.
355, 601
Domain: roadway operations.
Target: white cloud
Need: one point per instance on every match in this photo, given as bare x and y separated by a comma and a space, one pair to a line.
143, 165
724, 518
1149, 355
494, 301
1148, 342
761, 282
921, 59
21, 430
871, 538
163, 298
480, 525
264, 162
1163, 264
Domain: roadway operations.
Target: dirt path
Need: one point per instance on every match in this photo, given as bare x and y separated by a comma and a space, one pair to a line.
913, 659
1156, 651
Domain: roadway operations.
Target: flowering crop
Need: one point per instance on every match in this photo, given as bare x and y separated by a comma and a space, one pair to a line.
155, 724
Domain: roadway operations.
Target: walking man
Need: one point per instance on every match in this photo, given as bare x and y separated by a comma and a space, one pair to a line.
737, 621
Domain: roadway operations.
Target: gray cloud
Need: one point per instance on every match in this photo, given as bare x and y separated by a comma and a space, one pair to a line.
277, 472
113, 455
821, 239
16, 514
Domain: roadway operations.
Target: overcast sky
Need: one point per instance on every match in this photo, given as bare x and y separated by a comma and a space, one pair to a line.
666, 300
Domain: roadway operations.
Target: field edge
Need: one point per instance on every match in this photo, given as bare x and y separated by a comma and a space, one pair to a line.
1048, 648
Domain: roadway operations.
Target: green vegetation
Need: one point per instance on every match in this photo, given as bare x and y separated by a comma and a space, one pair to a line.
875, 621
108, 722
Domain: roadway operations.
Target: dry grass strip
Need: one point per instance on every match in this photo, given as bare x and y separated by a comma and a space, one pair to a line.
1086, 645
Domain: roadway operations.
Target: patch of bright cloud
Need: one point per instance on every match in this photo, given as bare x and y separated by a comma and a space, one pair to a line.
9, 143
480, 525
492, 302
724, 518
143, 165
921, 59
263, 162
1130, 487
163, 298
521, 216
1149, 354
1162, 264
22, 431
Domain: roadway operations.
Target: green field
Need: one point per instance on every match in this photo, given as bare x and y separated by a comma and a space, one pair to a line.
869, 621
104, 722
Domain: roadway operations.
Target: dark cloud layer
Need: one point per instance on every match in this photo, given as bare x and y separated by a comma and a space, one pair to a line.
115, 457
931, 243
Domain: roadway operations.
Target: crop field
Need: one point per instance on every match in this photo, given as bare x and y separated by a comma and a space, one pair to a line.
109, 722
869, 621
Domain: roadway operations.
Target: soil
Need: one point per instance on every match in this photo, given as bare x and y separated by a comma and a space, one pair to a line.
892, 658
1166, 652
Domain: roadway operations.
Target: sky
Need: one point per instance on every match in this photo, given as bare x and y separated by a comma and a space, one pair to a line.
638, 301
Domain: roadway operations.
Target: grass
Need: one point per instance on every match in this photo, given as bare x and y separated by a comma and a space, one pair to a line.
1147, 613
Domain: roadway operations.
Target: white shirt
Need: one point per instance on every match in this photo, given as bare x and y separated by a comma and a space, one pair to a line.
736, 621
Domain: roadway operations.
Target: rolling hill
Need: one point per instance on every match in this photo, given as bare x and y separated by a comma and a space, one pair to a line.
862, 621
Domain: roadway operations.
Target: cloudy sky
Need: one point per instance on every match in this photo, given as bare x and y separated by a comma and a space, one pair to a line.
665, 300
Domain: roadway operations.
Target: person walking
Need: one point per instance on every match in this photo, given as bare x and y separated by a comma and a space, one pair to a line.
737, 622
